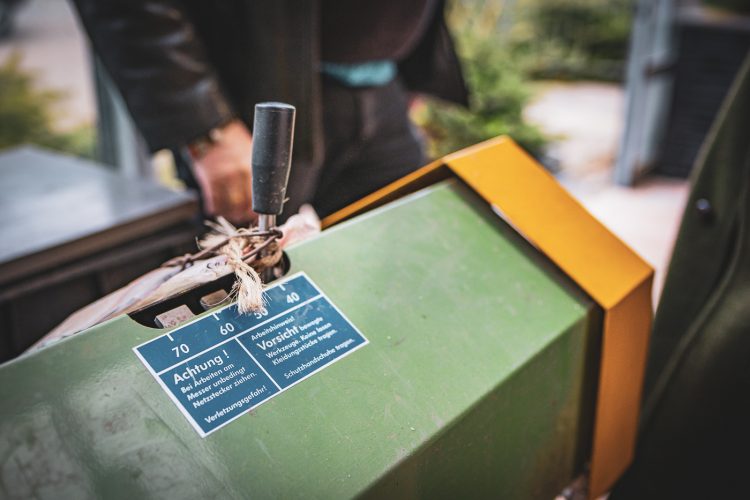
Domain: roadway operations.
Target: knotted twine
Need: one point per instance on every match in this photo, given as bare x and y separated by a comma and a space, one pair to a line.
248, 252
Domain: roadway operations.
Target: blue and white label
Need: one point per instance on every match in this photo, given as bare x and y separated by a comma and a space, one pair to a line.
223, 365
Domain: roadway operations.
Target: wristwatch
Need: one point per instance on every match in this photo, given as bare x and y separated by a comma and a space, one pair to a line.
200, 146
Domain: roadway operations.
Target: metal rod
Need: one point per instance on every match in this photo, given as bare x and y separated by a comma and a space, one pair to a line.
266, 222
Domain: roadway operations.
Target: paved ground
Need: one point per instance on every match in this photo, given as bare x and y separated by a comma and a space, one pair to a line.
587, 119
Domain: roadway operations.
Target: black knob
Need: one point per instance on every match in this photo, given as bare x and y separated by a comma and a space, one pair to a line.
273, 137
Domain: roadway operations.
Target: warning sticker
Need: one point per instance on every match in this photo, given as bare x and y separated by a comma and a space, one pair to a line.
222, 365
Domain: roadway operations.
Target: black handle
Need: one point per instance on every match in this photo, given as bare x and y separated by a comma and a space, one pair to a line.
273, 136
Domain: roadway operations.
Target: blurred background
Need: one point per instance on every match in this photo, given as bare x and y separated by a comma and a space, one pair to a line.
521, 58
612, 96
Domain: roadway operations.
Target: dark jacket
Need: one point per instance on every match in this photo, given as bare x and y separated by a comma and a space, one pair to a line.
694, 437
185, 66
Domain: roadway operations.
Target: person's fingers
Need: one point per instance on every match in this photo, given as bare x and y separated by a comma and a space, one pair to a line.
208, 194
231, 196
227, 196
220, 206
240, 195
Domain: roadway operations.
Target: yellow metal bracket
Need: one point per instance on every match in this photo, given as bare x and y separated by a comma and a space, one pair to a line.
612, 274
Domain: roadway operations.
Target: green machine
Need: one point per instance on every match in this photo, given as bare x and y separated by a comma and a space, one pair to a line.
500, 360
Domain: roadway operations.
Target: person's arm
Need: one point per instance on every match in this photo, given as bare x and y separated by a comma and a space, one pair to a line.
161, 68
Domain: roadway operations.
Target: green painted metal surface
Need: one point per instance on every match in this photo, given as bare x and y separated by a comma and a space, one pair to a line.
474, 382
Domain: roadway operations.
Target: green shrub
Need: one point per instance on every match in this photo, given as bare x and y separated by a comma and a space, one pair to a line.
26, 114
499, 93
576, 39
499, 90
504, 45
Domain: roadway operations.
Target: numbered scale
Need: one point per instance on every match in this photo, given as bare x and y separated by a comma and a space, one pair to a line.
222, 365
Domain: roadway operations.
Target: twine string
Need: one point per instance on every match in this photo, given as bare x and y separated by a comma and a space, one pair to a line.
248, 252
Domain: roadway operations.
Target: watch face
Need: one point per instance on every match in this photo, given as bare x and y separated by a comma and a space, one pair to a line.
200, 146
214, 135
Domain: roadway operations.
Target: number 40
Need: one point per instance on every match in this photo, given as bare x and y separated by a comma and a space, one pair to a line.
292, 298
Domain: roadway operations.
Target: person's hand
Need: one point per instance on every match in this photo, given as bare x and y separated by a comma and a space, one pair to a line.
224, 174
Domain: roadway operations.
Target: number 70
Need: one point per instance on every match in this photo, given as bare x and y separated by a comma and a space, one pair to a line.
181, 349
